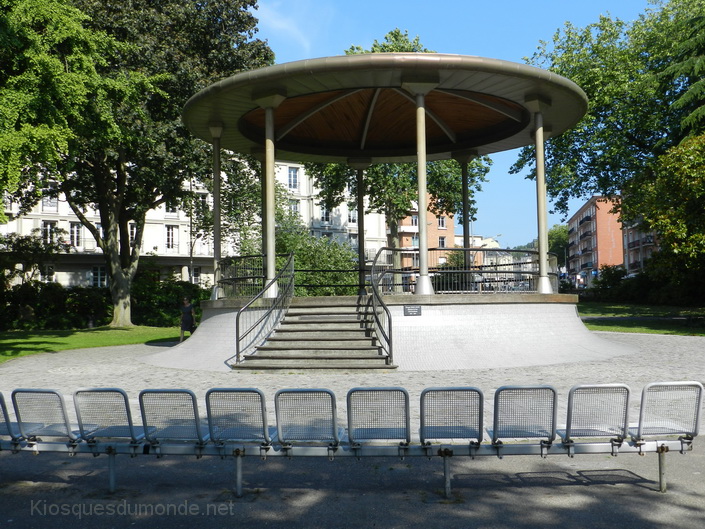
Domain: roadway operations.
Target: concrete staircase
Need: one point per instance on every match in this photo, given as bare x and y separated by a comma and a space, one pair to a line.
321, 333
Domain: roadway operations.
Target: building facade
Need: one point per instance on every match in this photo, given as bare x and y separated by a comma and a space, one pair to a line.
169, 240
341, 223
638, 247
594, 239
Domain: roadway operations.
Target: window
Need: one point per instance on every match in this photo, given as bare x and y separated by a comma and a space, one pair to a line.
441, 242
353, 240
352, 215
414, 220
133, 233
415, 240
101, 231
442, 222
49, 231
100, 278
50, 204
325, 214
196, 275
171, 210
75, 234
294, 178
172, 235
294, 206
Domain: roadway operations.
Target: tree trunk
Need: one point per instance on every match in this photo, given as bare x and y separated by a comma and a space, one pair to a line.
122, 308
396, 256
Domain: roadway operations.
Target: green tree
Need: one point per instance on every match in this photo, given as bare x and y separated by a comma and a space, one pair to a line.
685, 76
50, 88
336, 262
127, 151
631, 118
671, 201
558, 242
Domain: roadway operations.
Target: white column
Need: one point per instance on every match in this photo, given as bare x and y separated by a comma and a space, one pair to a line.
423, 284
544, 286
269, 103
269, 197
216, 130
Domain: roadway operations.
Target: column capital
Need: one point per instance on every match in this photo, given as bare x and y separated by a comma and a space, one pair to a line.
216, 129
270, 98
359, 163
465, 156
537, 102
420, 85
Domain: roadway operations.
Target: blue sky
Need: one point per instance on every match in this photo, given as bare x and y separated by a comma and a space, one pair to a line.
503, 29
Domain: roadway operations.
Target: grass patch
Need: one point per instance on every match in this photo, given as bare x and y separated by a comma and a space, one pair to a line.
619, 310
14, 344
649, 319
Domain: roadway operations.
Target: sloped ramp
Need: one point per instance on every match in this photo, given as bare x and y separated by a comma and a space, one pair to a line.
443, 335
496, 335
209, 347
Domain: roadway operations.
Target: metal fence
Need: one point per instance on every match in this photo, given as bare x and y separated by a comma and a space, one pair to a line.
462, 270
241, 276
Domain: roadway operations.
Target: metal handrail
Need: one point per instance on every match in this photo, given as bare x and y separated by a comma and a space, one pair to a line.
382, 329
273, 309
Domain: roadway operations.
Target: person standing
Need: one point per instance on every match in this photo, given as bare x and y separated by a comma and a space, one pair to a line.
188, 318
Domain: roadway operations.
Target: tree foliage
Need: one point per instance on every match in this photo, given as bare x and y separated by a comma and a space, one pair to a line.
123, 148
631, 119
642, 134
670, 199
322, 263
23, 257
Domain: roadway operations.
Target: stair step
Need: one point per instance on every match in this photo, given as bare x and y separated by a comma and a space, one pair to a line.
318, 345
293, 355
326, 318
320, 335
333, 326
271, 352
308, 364
317, 333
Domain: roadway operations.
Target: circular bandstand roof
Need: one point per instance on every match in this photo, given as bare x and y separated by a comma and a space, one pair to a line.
362, 107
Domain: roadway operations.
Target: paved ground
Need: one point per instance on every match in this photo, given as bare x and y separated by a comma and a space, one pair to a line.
516, 492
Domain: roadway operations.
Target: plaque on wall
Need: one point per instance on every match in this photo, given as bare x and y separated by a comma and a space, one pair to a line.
412, 310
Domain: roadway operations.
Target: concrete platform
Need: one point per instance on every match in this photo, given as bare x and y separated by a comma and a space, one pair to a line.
446, 332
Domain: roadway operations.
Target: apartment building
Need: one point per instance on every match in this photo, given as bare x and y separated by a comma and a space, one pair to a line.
440, 233
594, 239
638, 247
169, 240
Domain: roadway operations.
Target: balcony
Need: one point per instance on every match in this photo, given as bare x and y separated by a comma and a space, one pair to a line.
585, 219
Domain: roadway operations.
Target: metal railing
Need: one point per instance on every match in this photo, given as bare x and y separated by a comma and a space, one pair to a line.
381, 317
462, 270
241, 276
257, 319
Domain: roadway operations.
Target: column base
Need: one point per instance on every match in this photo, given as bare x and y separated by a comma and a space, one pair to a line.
545, 286
423, 286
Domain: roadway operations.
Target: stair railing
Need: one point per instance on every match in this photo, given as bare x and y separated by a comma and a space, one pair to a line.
381, 317
258, 318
